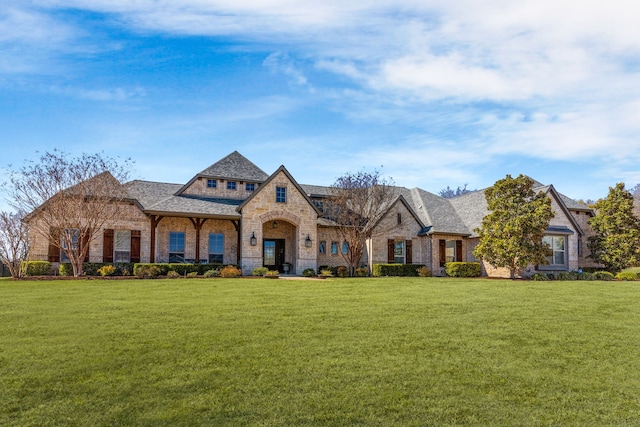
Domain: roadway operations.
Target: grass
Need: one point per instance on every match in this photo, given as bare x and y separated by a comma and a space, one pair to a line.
420, 352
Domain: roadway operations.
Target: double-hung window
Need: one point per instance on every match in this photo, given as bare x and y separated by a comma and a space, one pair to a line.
176, 246
231, 185
398, 251
122, 246
334, 248
557, 250
281, 194
212, 183
69, 241
216, 248
250, 187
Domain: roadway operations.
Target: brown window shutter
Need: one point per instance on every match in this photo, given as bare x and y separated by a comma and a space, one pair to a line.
107, 245
54, 249
85, 245
459, 250
443, 252
390, 254
54, 253
135, 245
409, 252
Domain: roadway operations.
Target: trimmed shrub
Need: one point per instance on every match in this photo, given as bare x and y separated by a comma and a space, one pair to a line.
566, 275
539, 277
602, 275
192, 274
173, 274
309, 272
36, 268
424, 271
107, 270
65, 269
382, 270
212, 273
462, 269
259, 271
343, 271
626, 276
230, 271
362, 272
587, 276
146, 271
272, 273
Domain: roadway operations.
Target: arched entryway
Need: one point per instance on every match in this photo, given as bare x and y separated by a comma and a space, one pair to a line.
279, 245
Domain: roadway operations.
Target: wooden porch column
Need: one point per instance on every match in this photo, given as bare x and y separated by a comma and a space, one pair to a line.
154, 219
197, 224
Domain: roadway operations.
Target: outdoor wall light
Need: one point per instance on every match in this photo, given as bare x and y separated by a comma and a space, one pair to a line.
252, 240
307, 242
274, 224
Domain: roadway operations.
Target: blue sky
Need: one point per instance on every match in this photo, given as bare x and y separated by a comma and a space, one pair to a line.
431, 93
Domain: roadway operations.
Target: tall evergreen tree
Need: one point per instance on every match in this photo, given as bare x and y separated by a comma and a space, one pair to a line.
616, 243
511, 234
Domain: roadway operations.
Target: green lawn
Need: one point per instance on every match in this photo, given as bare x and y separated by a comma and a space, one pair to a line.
335, 352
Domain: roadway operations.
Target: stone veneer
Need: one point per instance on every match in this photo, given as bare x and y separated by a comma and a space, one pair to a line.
297, 212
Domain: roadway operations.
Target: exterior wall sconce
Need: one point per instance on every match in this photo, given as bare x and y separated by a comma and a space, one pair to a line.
252, 240
307, 242
274, 224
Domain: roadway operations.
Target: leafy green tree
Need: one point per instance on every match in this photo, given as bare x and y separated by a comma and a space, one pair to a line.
616, 243
511, 234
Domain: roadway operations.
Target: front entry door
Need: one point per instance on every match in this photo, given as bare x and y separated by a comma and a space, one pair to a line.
273, 254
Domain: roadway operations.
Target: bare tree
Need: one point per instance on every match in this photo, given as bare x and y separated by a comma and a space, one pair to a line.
70, 199
449, 193
14, 242
357, 203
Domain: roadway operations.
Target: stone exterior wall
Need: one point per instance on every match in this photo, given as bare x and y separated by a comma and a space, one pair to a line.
262, 209
397, 224
174, 224
582, 218
328, 235
199, 188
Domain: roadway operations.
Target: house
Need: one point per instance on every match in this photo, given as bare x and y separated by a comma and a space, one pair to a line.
235, 213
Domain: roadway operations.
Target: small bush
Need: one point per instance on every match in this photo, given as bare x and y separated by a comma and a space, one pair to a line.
36, 268
343, 271
362, 272
589, 276
309, 272
332, 269
424, 271
171, 274
602, 275
107, 270
272, 273
462, 269
192, 274
65, 269
626, 276
259, 271
146, 271
539, 277
212, 273
326, 273
566, 275
381, 270
230, 271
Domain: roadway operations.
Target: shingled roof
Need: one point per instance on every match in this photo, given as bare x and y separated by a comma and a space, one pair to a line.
235, 166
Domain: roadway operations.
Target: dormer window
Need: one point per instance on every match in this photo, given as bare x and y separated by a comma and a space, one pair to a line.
212, 183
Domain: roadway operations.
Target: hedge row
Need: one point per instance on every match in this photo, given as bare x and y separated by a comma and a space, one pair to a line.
381, 270
462, 269
43, 268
